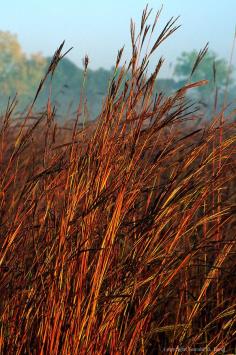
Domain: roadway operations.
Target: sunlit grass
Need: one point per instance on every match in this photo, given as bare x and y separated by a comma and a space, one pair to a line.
114, 239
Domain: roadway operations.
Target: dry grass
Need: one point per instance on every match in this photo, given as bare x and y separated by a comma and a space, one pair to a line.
119, 237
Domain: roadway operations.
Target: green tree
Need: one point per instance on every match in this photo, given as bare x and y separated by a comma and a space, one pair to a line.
209, 65
18, 73
11, 62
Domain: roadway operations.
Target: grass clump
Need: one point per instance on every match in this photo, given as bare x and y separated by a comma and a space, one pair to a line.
118, 237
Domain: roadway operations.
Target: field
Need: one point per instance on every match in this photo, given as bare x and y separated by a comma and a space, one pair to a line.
118, 236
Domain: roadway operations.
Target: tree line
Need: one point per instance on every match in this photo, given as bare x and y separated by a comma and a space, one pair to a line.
20, 74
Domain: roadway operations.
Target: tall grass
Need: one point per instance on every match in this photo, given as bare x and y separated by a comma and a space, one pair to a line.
113, 237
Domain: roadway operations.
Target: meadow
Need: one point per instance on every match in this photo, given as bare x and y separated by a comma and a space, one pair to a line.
118, 236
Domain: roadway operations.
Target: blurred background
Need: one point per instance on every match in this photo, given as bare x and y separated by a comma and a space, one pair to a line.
30, 32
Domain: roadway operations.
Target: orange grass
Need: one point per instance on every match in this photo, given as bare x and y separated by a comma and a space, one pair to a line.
113, 233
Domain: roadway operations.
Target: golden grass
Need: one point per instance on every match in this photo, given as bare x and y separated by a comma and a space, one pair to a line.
118, 237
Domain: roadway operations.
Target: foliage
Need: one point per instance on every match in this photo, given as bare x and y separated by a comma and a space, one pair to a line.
18, 74
211, 68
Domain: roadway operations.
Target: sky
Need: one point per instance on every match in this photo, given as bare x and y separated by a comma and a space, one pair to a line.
100, 27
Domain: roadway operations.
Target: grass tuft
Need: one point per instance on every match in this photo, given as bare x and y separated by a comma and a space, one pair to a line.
118, 236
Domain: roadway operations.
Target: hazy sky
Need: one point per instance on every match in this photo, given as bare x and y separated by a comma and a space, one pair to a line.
100, 27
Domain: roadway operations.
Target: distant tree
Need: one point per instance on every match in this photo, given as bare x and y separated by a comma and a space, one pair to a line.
204, 70
11, 62
17, 72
